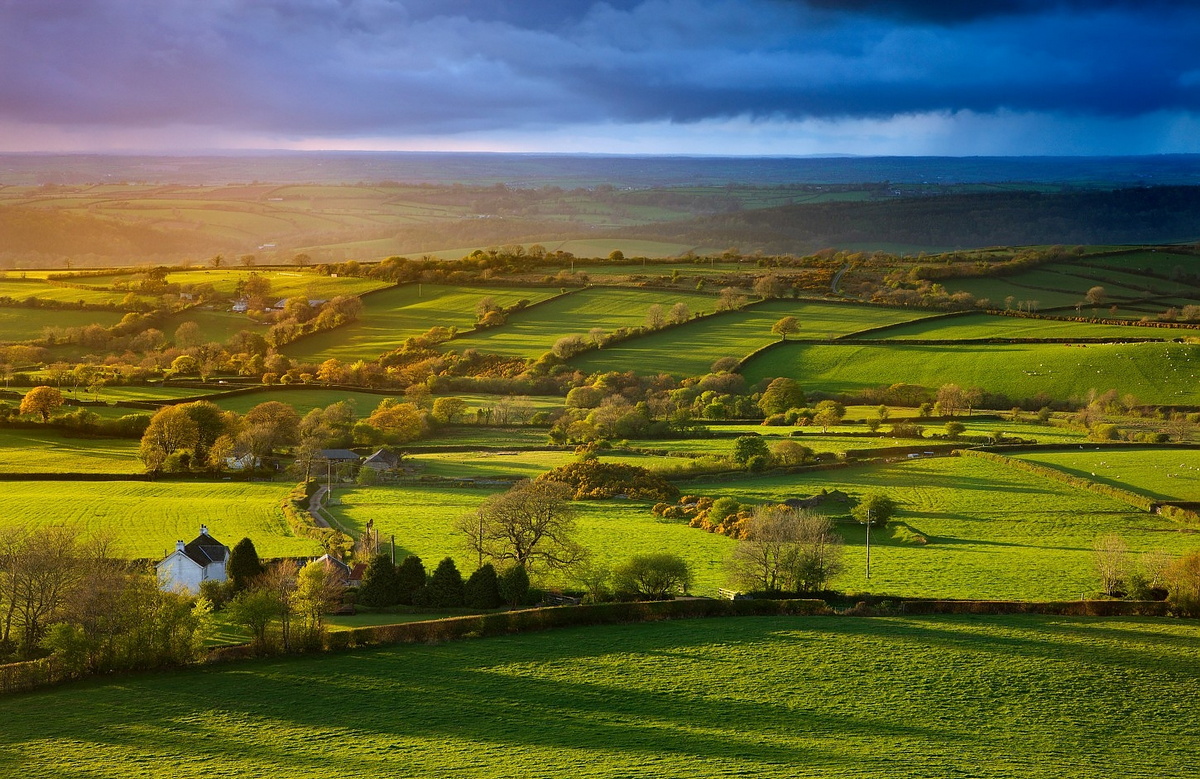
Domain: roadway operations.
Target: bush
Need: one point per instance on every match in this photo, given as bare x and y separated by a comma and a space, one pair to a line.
446, 585
410, 578
513, 585
380, 585
482, 590
656, 576
592, 479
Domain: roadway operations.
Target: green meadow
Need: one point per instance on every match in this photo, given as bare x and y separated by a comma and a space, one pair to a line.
395, 314
28, 324
899, 697
144, 519
991, 326
531, 333
284, 283
691, 349
1165, 474
49, 451
1154, 372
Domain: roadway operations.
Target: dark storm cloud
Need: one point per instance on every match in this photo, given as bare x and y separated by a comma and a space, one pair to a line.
386, 67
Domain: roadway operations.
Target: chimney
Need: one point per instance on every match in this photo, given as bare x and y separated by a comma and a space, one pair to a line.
204, 530
179, 546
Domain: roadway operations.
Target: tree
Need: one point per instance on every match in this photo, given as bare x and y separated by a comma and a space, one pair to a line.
513, 585
950, 399
656, 317
270, 426
787, 550
254, 610
785, 327
828, 412
171, 430
1183, 583
954, 430
781, 395
875, 509
449, 411
482, 590
301, 259
747, 447
657, 576
41, 400
410, 577
532, 525
680, 313
445, 588
400, 422
318, 591
1096, 295
1111, 556
788, 452
243, 565
188, 335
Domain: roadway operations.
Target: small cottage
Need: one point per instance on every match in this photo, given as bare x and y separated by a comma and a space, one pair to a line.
193, 563
382, 461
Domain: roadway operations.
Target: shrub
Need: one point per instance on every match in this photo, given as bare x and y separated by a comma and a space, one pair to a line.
657, 576
482, 590
410, 578
595, 480
513, 585
380, 586
446, 585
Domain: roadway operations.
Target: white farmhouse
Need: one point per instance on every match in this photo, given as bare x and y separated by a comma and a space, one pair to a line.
190, 564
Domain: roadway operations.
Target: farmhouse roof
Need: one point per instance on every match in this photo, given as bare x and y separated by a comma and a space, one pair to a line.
339, 455
331, 562
205, 550
383, 457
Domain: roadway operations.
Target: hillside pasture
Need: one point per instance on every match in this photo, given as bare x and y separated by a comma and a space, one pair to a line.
1163, 474
215, 326
691, 349
144, 519
284, 283
1159, 373
395, 314
29, 324
531, 333
1018, 697
422, 519
993, 532
49, 451
973, 326
21, 289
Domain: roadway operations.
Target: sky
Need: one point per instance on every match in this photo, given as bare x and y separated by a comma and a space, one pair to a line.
751, 77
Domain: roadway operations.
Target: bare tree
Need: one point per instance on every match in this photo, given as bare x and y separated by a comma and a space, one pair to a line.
531, 525
41, 568
787, 549
1112, 562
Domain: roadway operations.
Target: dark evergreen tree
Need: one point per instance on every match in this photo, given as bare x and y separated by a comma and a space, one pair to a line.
410, 577
514, 585
380, 586
243, 564
482, 590
446, 585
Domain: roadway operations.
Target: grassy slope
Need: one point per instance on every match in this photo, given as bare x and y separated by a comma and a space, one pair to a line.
27, 324
994, 532
990, 697
284, 283
691, 349
47, 451
986, 326
532, 333
1164, 474
393, 315
144, 519
422, 518
1155, 373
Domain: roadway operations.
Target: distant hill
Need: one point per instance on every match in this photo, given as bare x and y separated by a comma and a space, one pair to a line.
56, 233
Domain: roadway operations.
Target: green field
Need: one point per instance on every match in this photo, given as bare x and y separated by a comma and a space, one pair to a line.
989, 326
526, 465
28, 324
284, 283
473, 435
218, 326
532, 333
20, 289
1155, 373
305, 400
48, 451
996, 290
993, 531
690, 350
1165, 474
902, 698
393, 315
144, 519
422, 519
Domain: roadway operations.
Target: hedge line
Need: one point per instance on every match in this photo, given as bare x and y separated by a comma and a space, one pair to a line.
295, 510
1077, 608
1125, 496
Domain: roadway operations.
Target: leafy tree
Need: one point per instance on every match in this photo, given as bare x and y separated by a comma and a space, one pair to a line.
786, 549
380, 585
785, 327
482, 590
954, 430
41, 400
749, 446
531, 525
449, 411
254, 610
1183, 583
514, 585
657, 576
828, 412
410, 577
243, 565
318, 591
400, 422
781, 395
875, 508
171, 430
788, 452
446, 585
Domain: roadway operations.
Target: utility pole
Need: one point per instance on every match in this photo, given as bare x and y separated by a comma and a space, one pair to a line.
868, 543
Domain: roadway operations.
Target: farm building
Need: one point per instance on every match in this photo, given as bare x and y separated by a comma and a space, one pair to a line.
382, 461
339, 456
190, 564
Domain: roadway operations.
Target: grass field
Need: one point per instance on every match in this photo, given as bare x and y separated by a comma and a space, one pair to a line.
422, 518
144, 519
690, 350
991, 697
526, 465
284, 283
996, 290
1166, 474
1155, 373
48, 451
44, 290
305, 400
532, 333
393, 315
27, 324
472, 435
218, 326
988, 326
994, 532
